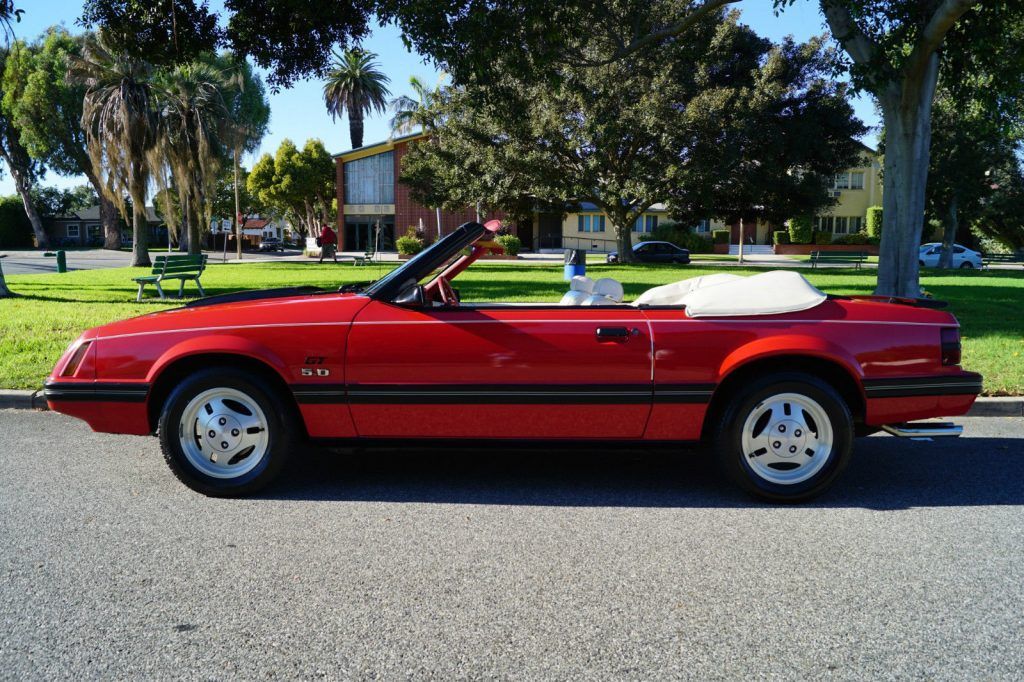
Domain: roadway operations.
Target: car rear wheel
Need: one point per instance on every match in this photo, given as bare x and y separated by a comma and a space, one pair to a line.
785, 438
966, 265
224, 433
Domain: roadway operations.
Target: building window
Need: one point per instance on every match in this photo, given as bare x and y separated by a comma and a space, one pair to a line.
646, 223
371, 180
702, 226
73, 231
856, 180
856, 224
590, 223
841, 224
823, 223
93, 231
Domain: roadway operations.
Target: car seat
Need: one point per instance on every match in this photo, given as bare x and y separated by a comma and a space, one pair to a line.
580, 288
607, 291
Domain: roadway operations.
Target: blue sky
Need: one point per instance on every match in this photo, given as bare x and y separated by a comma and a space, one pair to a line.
298, 113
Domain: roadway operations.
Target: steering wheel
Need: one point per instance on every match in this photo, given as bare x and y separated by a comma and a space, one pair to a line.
445, 291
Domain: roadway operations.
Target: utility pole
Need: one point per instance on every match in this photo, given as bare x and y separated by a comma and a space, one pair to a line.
238, 213
741, 242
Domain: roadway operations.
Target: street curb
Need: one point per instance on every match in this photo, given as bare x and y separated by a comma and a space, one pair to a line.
983, 407
22, 400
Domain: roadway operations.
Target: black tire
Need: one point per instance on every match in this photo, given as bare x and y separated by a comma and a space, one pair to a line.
728, 437
966, 265
280, 428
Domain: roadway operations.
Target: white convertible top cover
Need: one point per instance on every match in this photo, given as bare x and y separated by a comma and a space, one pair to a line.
769, 293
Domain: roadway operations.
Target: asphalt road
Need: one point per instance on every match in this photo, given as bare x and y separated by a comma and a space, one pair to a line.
496, 563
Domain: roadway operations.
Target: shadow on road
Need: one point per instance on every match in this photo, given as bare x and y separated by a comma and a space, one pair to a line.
884, 474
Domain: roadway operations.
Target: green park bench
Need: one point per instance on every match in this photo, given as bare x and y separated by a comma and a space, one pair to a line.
180, 268
842, 257
989, 258
365, 259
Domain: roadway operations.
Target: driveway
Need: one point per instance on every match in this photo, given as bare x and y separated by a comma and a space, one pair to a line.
497, 563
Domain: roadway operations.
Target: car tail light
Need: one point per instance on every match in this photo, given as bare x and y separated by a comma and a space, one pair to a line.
76, 359
950, 337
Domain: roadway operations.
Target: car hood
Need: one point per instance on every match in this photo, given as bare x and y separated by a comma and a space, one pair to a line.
272, 307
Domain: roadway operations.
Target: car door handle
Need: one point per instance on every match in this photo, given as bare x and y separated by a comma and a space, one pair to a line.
616, 333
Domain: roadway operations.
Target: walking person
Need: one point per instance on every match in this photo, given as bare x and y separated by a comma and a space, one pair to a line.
328, 243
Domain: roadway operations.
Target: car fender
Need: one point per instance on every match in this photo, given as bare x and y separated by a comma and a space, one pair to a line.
791, 344
218, 343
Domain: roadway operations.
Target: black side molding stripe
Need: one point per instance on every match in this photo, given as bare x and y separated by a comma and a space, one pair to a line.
899, 387
97, 392
494, 394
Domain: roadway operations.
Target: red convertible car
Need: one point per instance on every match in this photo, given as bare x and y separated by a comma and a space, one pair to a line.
775, 375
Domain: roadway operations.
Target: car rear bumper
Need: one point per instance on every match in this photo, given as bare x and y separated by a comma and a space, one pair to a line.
905, 399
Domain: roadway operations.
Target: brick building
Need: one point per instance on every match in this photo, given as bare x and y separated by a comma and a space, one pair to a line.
370, 196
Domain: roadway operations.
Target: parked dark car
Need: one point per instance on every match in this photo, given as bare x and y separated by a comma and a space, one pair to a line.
271, 244
655, 252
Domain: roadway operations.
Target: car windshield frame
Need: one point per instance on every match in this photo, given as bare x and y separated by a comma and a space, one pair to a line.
425, 262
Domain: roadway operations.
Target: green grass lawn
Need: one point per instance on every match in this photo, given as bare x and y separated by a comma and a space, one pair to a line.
53, 309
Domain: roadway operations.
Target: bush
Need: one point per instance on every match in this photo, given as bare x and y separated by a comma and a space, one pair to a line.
822, 238
857, 238
801, 230
15, 229
720, 236
676, 233
510, 243
780, 237
874, 221
409, 243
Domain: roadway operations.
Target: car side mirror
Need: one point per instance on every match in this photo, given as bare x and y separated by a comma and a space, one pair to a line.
412, 296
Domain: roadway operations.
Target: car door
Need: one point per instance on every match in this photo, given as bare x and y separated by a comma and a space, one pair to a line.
644, 252
930, 257
499, 372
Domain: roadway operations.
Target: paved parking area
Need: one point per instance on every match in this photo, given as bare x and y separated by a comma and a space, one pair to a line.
495, 563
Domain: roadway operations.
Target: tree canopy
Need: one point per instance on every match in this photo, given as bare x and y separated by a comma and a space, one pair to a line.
715, 125
297, 185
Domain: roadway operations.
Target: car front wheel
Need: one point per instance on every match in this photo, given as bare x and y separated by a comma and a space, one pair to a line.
224, 433
785, 438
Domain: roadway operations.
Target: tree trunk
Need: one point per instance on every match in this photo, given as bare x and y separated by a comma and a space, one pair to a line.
949, 233
907, 113
4, 291
108, 213
238, 212
22, 184
140, 227
195, 232
623, 236
355, 126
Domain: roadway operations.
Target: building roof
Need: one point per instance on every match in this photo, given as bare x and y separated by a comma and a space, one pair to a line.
376, 147
92, 214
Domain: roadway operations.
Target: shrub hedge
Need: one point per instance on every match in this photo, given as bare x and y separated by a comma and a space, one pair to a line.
780, 237
801, 230
874, 221
720, 236
511, 243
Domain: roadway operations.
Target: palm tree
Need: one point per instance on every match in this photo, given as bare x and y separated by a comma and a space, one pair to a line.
192, 125
410, 113
249, 112
120, 125
355, 85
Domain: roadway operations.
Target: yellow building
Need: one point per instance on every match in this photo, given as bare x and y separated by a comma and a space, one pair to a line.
855, 190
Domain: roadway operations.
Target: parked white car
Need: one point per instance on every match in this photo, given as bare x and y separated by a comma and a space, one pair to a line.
962, 256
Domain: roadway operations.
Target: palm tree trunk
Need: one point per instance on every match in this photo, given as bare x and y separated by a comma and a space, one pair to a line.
355, 126
140, 227
108, 213
195, 245
4, 291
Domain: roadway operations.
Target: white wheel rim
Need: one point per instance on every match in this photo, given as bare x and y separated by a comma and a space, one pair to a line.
787, 438
223, 433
